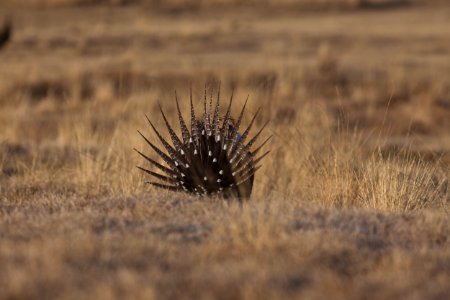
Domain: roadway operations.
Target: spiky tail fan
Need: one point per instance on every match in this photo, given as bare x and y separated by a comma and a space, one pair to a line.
212, 158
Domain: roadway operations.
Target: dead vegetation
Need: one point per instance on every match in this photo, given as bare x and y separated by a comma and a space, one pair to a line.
180, 5
352, 202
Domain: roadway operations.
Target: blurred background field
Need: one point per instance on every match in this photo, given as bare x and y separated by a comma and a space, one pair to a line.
352, 201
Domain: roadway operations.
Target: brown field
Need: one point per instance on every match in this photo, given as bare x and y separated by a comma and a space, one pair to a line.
352, 202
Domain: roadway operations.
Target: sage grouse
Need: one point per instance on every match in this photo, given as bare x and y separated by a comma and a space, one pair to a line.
212, 158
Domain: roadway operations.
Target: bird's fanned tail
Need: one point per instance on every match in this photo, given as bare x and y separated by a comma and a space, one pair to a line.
211, 158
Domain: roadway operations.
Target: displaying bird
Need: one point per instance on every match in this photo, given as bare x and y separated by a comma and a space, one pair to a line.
5, 33
212, 158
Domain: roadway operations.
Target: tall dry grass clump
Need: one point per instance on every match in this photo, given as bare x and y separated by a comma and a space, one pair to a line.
315, 161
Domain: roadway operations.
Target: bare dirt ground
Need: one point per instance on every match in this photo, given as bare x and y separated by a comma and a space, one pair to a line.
352, 202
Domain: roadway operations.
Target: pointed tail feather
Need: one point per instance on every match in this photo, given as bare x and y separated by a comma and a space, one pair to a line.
207, 116
156, 175
194, 126
232, 140
246, 149
262, 145
240, 144
215, 123
184, 130
247, 175
179, 147
158, 165
164, 156
172, 152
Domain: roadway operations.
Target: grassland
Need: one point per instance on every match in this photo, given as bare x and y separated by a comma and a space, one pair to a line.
352, 203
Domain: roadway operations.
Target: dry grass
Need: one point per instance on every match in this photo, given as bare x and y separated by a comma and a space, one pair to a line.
352, 202
181, 5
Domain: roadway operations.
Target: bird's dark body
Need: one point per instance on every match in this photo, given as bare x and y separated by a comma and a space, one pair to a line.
5, 33
211, 158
